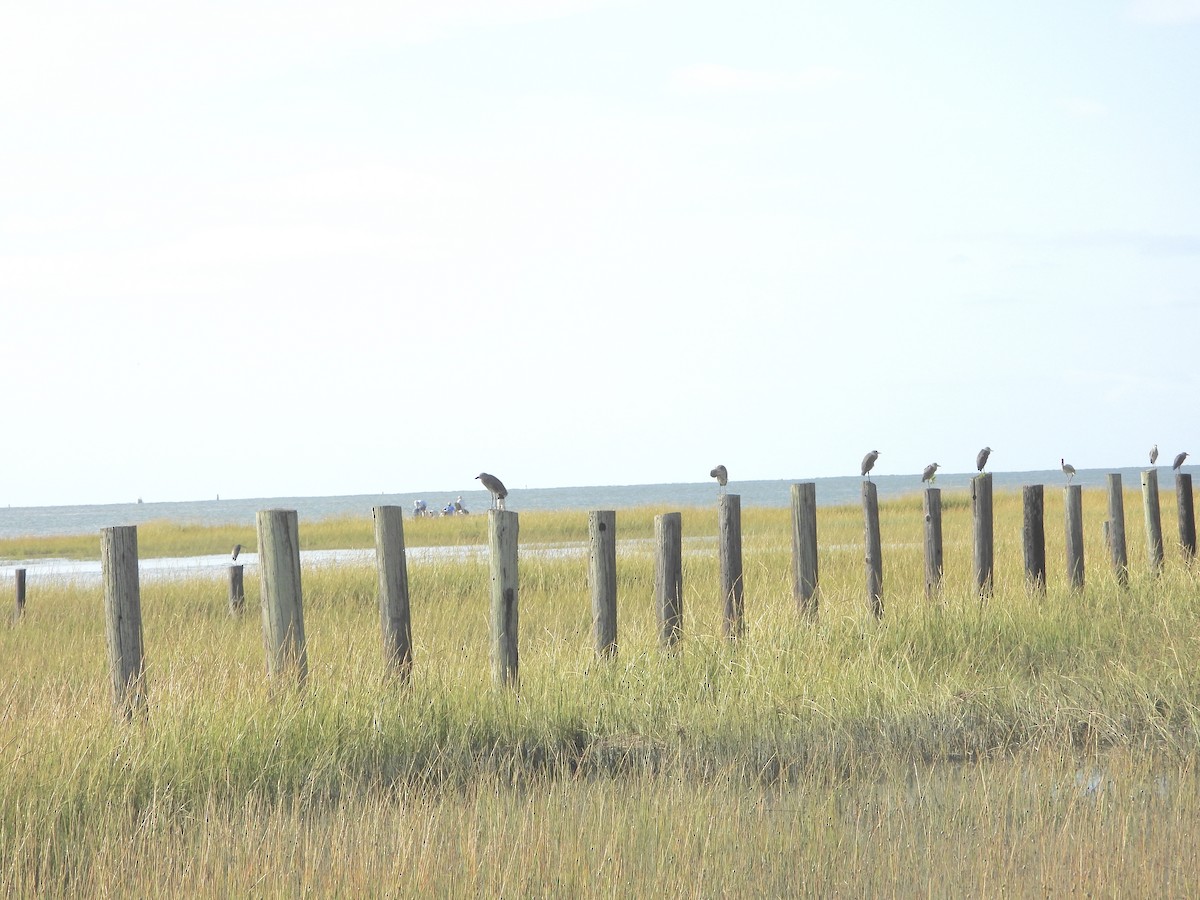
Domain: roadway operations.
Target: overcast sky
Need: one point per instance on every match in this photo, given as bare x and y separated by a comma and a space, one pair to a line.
262, 249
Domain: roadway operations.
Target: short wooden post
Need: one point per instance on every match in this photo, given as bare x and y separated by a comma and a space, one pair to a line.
503, 528
392, 565
981, 509
1150, 504
123, 619
602, 570
1073, 503
933, 540
282, 600
237, 589
874, 548
19, 576
1116, 528
1187, 515
729, 553
804, 548
668, 576
1033, 536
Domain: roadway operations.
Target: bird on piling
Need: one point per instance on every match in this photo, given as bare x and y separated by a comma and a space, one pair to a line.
237, 548
981, 458
496, 487
1068, 469
722, 475
1179, 460
1154, 454
930, 473
868, 463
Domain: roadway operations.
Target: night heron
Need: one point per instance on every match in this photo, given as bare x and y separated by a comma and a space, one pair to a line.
1068, 469
930, 473
1154, 454
868, 463
496, 487
981, 458
237, 548
722, 475
1179, 460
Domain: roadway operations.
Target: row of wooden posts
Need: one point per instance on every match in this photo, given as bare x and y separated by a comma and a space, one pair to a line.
282, 602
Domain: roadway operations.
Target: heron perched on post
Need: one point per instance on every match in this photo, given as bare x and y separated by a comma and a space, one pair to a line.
1068, 469
237, 548
930, 473
496, 487
1179, 460
868, 463
1154, 454
981, 458
722, 475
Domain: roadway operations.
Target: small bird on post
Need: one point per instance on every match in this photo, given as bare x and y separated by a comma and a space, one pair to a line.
930, 473
1154, 454
1179, 460
237, 548
982, 457
722, 475
868, 463
1068, 469
496, 487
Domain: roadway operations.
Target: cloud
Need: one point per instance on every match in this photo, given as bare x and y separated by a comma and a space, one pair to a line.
718, 79
1166, 12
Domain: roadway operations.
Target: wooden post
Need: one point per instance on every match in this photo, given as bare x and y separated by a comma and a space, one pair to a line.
933, 540
804, 548
602, 559
392, 564
237, 589
503, 528
123, 619
282, 601
729, 552
874, 548
1033, 536
668, 576
981, 508
19, 575
1150, 504
1116, 528
1187, 515
1073, 503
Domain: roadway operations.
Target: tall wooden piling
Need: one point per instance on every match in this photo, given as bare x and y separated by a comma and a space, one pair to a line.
932, 508
392, 564
123, 619
1117, 549
282, 601
1150, 505
729, 553
874, 548
1073, 504
503, 529
237, 589
804, 548
981, 512
1033, 535
602, 571
1187, 515
19, 579
668, 576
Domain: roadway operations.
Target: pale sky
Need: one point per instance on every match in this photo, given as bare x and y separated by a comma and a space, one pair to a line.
262, 249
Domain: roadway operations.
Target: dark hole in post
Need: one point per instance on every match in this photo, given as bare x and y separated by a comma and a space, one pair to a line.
603, 527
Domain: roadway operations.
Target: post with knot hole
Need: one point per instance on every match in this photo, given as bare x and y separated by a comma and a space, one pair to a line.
503, 527
985, 550
123, 619
237, 589
1187, 515
392, 563
1073, 504
874, 548
668, 577
1033, 536
282, 599
19, 578
729, 553
804, 548
602, 573
1115, 529
933, 541
1153, 513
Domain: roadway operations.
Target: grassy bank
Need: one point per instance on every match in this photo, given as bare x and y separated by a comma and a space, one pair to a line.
1041, 742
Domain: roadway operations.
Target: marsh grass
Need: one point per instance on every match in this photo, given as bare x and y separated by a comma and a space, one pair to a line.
1039, 743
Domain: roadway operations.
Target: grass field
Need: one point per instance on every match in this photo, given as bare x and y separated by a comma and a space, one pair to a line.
1036, 744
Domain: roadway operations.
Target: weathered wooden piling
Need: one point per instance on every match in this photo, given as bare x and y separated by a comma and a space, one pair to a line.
394, 618
282, 601
237, 589
1187, 515
981, 513
503, 531
1115, 529
1150, 505
602, 570
729, 554
123, 619
668, 577
19, 579
804, 548
1033, 535
932, 508
1073, 504
874, 548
